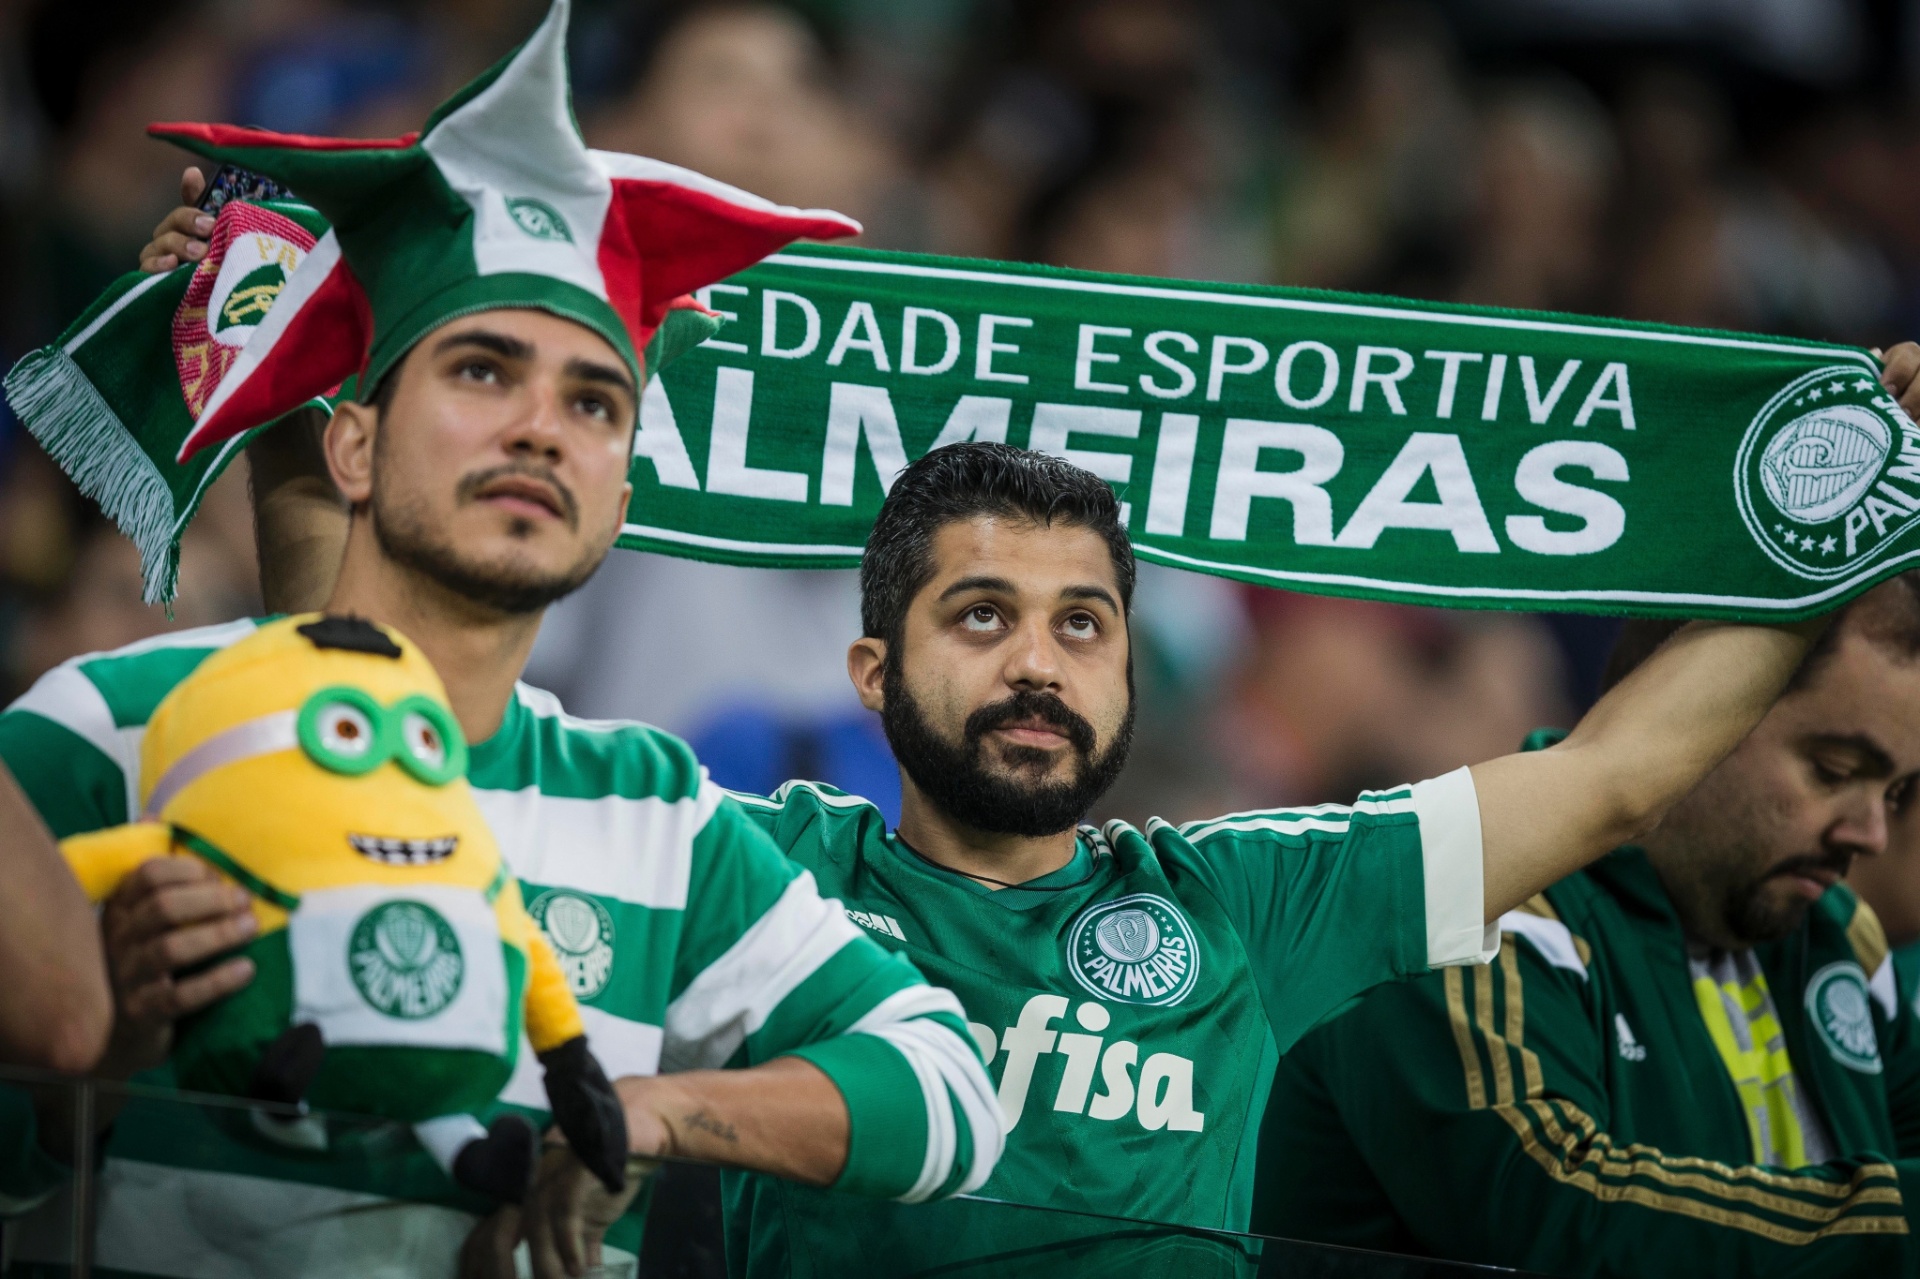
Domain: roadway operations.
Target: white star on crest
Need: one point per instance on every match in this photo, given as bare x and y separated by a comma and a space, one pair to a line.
1863, 385
1826, 547
1814, 394
1790, 535
1836, 387
1806, 544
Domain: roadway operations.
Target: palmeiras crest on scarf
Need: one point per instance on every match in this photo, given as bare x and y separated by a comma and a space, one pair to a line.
1817, 471
250, 257
498, 202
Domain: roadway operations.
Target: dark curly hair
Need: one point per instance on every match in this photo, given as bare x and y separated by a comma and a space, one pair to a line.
962, 481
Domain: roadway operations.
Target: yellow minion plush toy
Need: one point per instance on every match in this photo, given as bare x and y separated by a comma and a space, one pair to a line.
317, 765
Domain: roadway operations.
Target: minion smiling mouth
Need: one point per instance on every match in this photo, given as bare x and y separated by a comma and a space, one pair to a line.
404, 852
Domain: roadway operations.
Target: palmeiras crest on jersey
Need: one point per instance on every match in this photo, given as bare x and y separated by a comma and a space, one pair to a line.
580, 930
1828, 474
251, 254
1137, 950
405, 960
1842, 1016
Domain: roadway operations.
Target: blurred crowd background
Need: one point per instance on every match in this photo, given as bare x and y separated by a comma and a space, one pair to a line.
1748, 164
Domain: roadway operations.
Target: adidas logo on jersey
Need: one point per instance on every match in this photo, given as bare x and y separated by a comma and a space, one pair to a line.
886, 925
1160, 1096
1631, 1049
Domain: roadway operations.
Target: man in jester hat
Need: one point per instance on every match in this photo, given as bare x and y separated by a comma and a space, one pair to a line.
502, 293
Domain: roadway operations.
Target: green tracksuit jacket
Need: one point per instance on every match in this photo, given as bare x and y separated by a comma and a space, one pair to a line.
1565, 1110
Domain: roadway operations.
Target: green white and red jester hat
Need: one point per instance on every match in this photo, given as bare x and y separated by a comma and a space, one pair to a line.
498, 202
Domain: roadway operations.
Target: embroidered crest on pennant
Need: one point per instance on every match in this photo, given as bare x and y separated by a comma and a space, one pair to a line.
249, 258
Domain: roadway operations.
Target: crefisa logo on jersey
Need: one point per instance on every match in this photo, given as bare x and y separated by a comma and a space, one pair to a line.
1842, 1014
1138, 950
581, 933
1828, 474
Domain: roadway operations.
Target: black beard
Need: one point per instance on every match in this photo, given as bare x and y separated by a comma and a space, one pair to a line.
404, 537
1748, 916
957, 781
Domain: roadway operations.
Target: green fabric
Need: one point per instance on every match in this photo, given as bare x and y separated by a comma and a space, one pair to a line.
84, 787
890, 1128
971, 1239
771, 444
491, 292
1290, 915
1608, 467
108, 400
1565, 1110
217, 1049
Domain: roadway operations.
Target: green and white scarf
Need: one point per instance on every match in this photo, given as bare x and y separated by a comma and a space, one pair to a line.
1321, 442
112, 400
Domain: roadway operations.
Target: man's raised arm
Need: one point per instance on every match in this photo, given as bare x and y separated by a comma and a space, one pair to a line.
1645, 744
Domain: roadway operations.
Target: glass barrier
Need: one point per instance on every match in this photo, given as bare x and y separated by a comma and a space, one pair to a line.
188, 1186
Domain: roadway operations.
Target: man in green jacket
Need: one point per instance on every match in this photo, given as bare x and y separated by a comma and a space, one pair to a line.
1890, 883
1691, 1057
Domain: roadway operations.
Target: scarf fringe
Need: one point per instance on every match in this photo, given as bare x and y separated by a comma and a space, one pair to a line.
60, 406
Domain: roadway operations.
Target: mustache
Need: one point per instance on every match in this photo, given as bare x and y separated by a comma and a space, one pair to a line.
1027, 705
470, 485
1839, 863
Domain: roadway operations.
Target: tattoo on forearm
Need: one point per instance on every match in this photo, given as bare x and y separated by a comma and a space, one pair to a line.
706, 1123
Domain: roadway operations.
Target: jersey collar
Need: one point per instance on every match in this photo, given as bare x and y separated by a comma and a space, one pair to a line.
1024, 897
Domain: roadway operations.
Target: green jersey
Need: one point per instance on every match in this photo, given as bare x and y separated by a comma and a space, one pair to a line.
685, 935
1569, 1110
1132, 1004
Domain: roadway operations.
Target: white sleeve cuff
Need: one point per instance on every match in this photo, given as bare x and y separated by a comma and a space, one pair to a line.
1452, 858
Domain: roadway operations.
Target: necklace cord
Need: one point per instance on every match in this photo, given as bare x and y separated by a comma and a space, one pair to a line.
988, 879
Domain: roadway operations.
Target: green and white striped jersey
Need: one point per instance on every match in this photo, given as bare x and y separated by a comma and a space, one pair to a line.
688, 938
1132, 1006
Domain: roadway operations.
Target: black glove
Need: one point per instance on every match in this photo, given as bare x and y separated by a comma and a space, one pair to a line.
500, 1164
588, 1111
288, 1065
